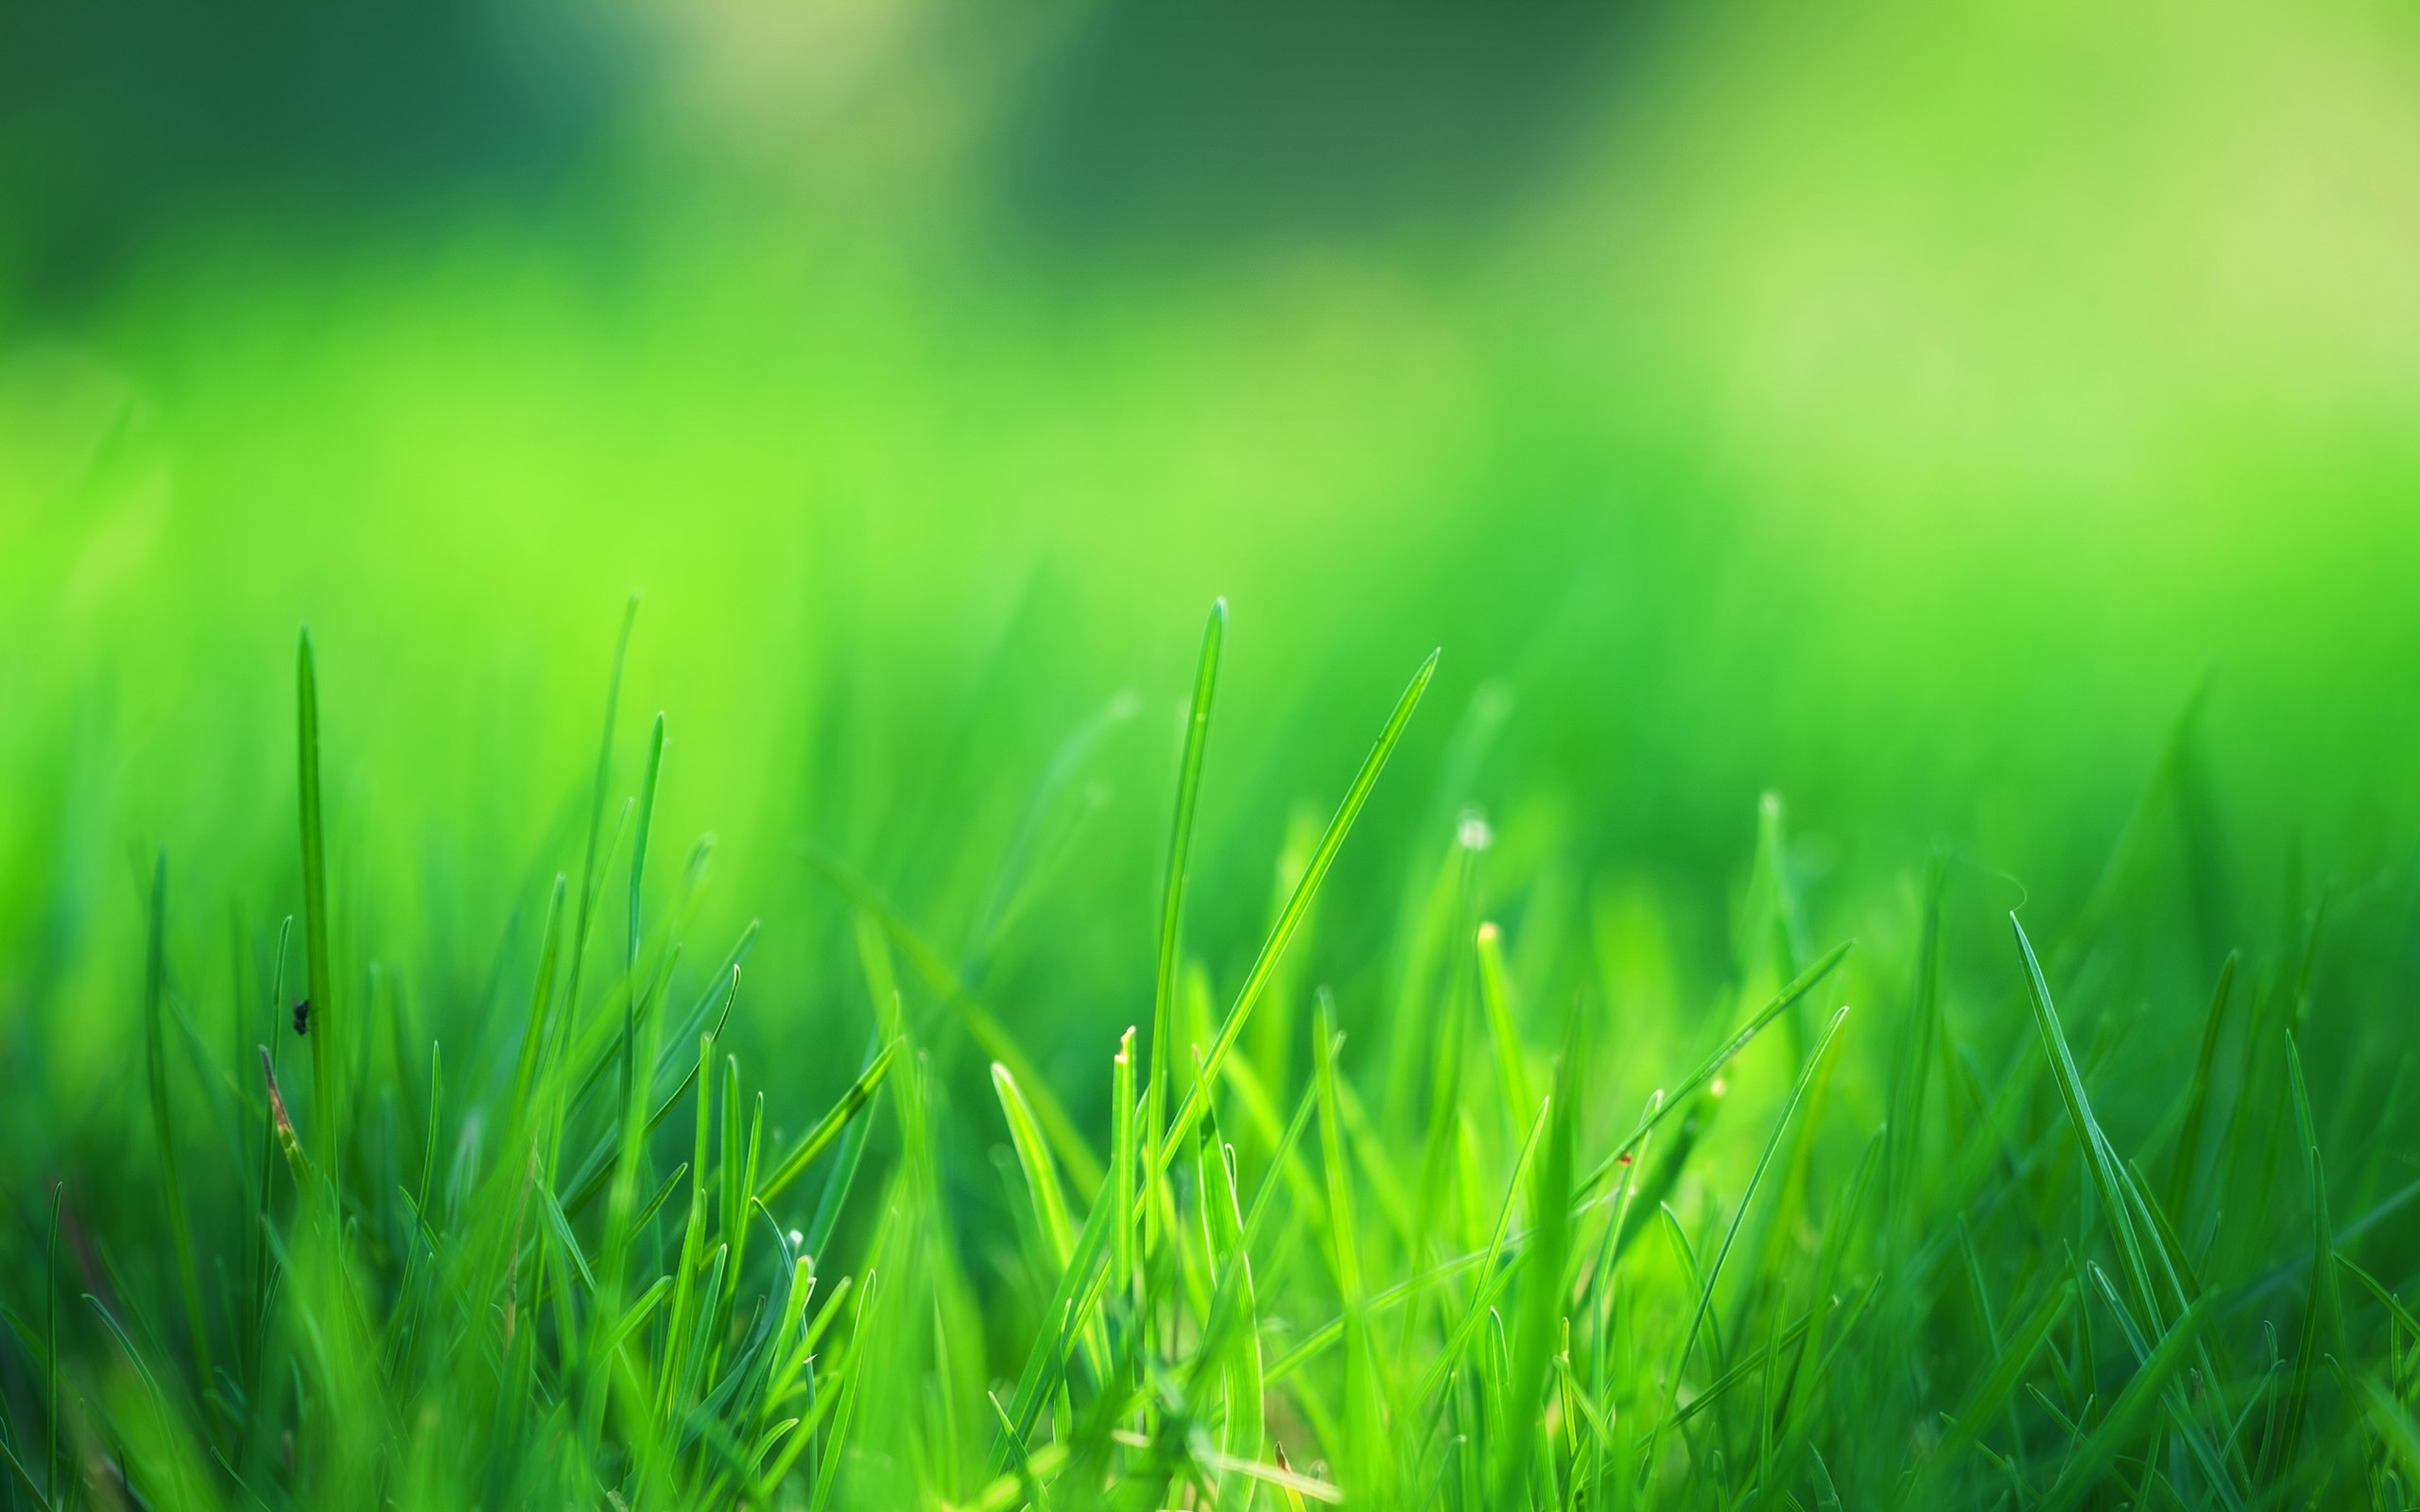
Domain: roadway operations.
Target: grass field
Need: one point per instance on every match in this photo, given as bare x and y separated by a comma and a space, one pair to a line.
1788, 876
1864, 1239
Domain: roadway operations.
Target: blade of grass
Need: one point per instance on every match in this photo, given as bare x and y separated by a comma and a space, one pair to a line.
638, 1313
604, 1158
693, 1234
57, 1466
1917, 1052
2100, 1161
882, 992
1456, 1353
1542, 1287
592, 860
1296, 1486
852, 1373
600, 1051
1496, 996
1125, 1162
256, 1318
1244, 1426
155, 993
654, 1205
701, 1332
1805, 982
1797, 1398
983, 1025
844, 1164
2127, 1415
1042, 1184
751, 1152
1188, 789
175, 1488
1079, 1291
2189, 1431
25, 1478
1747, 1196
2325, 1308
827, 1128
1041, 1174
1274, 946
2133, 836
2189, 1136
1991, 1395
2386, 1298
2394, 1424
631, 1004
562, 1229
732, 1171
1361, 1385
540, 995
326, 1019
1754, 1365
621, 1202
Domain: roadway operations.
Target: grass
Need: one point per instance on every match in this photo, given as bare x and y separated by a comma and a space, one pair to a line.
1889, 1237
961, 1060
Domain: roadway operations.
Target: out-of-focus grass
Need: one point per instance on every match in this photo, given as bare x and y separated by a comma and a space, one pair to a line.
1906, 412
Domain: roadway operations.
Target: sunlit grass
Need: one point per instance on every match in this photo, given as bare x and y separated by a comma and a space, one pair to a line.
1879, 1243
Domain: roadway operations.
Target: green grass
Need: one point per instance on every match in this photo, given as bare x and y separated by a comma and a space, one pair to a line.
1878, 1241
985, 1042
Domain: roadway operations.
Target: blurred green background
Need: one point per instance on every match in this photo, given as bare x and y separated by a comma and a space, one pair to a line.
1902, 407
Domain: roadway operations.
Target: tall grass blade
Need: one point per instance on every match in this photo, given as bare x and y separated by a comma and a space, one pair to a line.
1040, 1172
533, 1036
844, 1165
2189, 1136
1188, 791
592, 857
2323, 1314
155, 993
327, 1020
1274, 946
1126, 1164
1542, 1287
1361, 1387
54, 1408
2100, 1161
1496, 996
631, 1004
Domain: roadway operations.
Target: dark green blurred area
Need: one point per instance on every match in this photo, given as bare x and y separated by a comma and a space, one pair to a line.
1901, 407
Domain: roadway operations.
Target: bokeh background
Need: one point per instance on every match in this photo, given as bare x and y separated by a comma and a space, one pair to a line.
1901, 407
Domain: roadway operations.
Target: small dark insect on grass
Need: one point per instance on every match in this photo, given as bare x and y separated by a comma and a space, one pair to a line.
605, 1252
